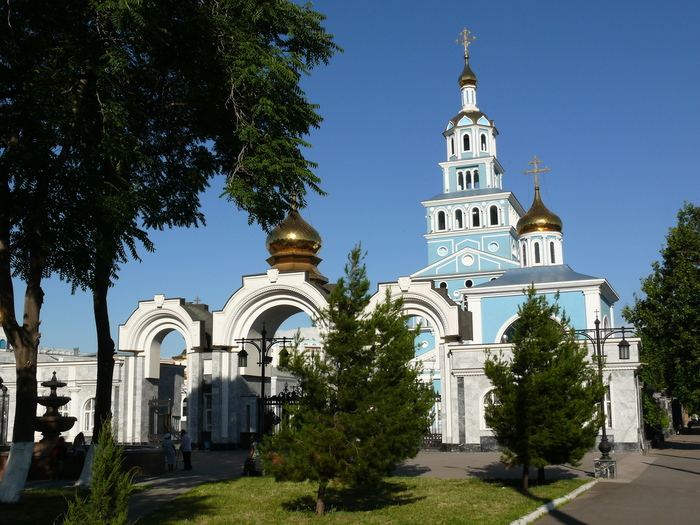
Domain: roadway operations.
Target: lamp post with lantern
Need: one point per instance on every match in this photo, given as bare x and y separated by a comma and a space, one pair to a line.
605, 466
263, 345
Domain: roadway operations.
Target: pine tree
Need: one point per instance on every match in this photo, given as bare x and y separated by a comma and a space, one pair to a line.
545, 410
364, 408
108, 502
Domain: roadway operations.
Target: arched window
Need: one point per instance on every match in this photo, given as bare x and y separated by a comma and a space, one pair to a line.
466, 142
551, 253
538, 258
459, 219
89, 415
523, 249
476, 218
469, 180
460, 180
476, 179
441, 222
490, 399
242, 358
493, 215
483, 142
3, 344
443, 284
452, 145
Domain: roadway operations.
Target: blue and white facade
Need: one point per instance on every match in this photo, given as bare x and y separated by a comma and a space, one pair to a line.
484, 249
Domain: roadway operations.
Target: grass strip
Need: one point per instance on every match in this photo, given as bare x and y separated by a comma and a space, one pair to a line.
394, 501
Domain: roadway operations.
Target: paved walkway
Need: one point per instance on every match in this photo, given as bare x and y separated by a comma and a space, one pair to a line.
667, 491
660, 487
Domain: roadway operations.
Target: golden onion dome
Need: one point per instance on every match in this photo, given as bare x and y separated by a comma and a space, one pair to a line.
539, 218
293, 234
467, 77
294, 245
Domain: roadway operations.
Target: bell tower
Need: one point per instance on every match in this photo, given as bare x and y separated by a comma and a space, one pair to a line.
471, 223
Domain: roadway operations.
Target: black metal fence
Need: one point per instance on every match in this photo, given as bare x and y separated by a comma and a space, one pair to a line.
433, 439
275, 407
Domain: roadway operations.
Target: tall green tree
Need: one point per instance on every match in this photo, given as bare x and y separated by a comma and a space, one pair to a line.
667, 315
115, 115
363, 407
545, 410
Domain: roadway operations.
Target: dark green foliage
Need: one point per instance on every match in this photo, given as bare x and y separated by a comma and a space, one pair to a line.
547, 394
667, 317
364, 408
108, 502
655, 417
116, 114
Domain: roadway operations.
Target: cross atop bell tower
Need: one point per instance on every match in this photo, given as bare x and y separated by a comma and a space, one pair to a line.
465, 40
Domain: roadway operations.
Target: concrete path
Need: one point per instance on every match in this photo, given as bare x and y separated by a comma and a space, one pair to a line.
668, 491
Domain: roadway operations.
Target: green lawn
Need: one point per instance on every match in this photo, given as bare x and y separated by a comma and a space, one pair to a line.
397, 501
262, 500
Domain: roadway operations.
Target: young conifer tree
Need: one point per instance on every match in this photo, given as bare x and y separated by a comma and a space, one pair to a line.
364, 408
547, 395
108, 502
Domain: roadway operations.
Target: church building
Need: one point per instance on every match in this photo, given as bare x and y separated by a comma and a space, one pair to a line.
484, 248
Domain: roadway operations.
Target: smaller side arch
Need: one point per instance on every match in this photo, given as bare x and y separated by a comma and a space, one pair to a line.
148, 325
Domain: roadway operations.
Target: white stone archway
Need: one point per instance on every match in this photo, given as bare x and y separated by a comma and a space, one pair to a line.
146, 328
452, 325
271, 298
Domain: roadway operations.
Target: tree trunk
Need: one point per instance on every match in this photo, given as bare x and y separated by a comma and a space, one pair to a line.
540, 475
105, 369
25, 343
105, 355
526, 477
321, 498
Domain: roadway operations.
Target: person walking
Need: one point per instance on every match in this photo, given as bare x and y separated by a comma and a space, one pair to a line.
169, 446
186, 449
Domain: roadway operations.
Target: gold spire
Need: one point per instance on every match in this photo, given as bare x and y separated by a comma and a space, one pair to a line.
467, 77
538, 217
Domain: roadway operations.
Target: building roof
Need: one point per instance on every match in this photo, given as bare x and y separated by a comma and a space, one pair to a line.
467, 193
538, 274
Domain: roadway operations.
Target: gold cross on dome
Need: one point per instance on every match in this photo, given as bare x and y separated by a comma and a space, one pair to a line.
536, 170
465, 40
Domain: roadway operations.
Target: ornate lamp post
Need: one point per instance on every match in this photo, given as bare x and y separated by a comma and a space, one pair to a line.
263, 345
605, 466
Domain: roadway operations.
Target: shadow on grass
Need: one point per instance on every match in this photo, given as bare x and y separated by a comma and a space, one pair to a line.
186, 508
357, 499
497, 470
38, 507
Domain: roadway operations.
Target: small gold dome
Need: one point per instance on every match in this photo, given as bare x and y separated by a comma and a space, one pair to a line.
294, 245
539, 218
467, 77
293, 234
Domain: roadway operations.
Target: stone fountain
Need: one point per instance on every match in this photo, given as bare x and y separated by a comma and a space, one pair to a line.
52, 423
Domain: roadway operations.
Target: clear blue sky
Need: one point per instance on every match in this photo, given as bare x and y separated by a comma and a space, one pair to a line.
605, 93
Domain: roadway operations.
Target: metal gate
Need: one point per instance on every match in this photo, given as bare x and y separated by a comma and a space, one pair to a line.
275, 407
433, 439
